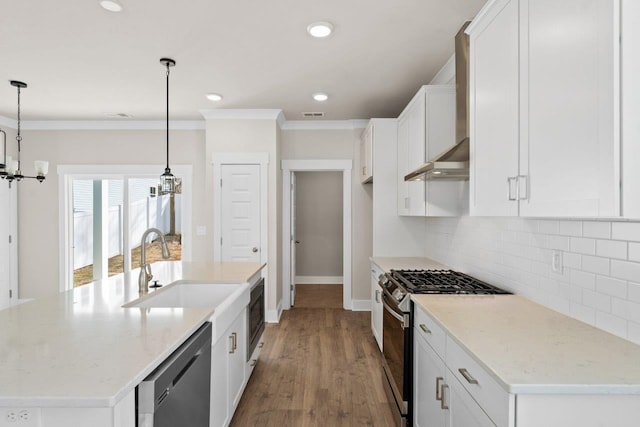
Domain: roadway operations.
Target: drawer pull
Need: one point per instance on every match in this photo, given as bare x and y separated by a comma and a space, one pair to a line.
438, 395
424, 328
261, 345
253, 362
442, 404
467, 376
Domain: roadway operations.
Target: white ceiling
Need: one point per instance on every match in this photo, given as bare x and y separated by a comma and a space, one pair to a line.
81, 61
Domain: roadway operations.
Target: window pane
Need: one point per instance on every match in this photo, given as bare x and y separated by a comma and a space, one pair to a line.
161, 212
90, 217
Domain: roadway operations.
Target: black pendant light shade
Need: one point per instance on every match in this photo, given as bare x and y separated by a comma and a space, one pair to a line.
167, 180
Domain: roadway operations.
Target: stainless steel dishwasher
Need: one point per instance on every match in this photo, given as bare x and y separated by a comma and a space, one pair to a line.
177, 393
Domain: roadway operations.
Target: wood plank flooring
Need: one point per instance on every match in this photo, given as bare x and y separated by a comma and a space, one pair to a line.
319, 367
319, 296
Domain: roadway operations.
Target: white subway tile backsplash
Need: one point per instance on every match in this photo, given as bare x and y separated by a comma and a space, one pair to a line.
625, 270
571, 228
610, 323
634, 252
610, 286
633, 292
594, 264
600, 280
571, 260
611, 249
596, 300
582, 245
596, 229
548, 226
582, 279
626, 231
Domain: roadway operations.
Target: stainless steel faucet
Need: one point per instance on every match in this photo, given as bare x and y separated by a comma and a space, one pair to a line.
145, 269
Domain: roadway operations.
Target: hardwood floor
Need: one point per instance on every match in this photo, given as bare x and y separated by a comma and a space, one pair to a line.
319, 367
319, 296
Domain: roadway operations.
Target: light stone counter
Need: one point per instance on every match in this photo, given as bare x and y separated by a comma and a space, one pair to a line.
407, 263
531, 349
81, 348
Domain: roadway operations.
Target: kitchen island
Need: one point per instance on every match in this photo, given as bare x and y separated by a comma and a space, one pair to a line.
83, 349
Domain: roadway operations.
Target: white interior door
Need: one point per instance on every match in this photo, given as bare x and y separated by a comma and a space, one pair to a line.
240, 222
293, 241
5, 246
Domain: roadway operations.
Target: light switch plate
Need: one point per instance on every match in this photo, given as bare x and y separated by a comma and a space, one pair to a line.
201, 230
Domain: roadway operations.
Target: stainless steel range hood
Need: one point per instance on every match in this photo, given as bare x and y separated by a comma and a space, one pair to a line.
453, 163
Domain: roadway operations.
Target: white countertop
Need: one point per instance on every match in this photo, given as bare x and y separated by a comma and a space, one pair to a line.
407, 263
81, 348
531, 349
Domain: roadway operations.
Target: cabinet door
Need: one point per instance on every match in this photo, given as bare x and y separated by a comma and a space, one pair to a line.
416, 152
237, 359
463, 410
220, 415
429, 377
403, 146
570, 139
366, 151
376, 310
494, 118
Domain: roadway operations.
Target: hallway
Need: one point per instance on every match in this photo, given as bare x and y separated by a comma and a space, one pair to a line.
319, 367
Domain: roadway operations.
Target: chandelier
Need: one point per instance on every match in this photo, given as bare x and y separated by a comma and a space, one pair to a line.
12, 169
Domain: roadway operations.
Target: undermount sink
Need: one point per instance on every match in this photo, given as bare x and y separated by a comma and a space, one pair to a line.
187, 295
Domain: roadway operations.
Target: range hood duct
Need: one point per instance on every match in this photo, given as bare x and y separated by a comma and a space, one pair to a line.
453, 163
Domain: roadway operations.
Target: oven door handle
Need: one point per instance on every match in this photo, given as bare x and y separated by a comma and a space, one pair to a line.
391, 310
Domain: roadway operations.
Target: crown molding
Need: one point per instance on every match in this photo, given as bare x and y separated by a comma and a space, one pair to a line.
246, 113
103, 124
324, 124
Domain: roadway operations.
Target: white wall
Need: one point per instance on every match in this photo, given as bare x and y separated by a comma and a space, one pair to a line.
313, 144
38, 203
319, 224
250, 136
600, 283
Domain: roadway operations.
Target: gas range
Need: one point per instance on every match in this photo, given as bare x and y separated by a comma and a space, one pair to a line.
401, 283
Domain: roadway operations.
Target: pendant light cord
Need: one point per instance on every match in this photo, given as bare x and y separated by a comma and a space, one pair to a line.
18, 137
168, 115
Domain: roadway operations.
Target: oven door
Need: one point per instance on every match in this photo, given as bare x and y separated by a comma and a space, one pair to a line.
397, 361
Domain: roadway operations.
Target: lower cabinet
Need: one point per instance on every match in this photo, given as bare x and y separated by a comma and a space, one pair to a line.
429, 373
376, 305
228, 369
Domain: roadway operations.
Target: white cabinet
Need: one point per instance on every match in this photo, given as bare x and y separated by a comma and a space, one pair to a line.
450, 388
376, 305
228, 359
426, 128
544, 105
366, 154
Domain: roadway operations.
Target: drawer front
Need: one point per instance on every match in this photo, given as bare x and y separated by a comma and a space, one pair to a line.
485, 390
429, 330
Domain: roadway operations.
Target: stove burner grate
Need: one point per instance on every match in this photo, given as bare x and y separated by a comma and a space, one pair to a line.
443, 282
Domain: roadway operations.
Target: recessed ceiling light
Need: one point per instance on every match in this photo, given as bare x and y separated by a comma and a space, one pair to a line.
111, 5
320, 29
321, 97
214, 97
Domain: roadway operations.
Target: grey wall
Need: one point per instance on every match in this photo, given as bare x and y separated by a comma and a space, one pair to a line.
319, 223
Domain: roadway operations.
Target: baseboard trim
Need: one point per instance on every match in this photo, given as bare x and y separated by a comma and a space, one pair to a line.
319, 280
273, 316
361, 305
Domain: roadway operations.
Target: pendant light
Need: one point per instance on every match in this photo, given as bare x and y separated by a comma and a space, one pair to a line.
167, 180
12, 169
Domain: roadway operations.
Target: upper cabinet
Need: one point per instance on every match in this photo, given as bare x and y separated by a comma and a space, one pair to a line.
544, 104
366, 154
426, 128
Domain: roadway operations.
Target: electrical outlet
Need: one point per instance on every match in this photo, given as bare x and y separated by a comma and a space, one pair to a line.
556, 262
201, 230
24, 415
11, 417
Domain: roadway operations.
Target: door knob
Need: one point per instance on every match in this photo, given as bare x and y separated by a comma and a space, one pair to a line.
297, 242
254, 250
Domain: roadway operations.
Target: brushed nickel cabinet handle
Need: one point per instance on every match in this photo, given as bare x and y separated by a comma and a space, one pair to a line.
377, 295
438, 395
424, 328
510, 181
235, 341
232, 349
467, 376
364, 170
442, 396
261, 345
253, 362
